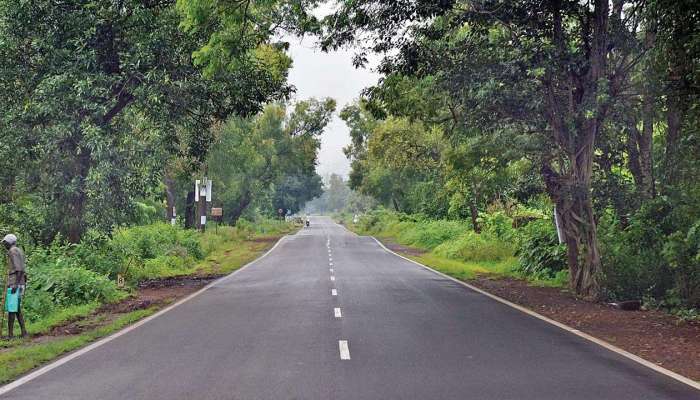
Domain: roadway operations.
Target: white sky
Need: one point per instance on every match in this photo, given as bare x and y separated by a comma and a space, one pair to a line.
318, 74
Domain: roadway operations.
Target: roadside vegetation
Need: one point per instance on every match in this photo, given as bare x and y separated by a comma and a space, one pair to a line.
492, 118
75, 284
452, 246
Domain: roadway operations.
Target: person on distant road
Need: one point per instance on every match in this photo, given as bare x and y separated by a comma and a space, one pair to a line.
16, 281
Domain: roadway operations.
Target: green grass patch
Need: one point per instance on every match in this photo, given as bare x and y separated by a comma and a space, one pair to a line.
234, 255
466, 270
18, 361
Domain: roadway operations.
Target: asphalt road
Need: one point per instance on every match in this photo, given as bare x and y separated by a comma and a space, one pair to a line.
393, 330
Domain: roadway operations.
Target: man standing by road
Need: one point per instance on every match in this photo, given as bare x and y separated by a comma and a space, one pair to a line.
16, 281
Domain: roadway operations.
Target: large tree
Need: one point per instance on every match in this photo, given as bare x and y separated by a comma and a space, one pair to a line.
94, 93
549, 71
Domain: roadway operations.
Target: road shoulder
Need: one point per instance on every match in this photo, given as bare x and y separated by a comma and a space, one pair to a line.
651, 338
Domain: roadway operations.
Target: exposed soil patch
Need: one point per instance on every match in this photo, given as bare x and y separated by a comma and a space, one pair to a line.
653, 335
178, 282
405, 250
264, 239
154, 292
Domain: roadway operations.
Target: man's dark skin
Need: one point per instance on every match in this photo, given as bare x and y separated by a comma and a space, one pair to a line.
19, 277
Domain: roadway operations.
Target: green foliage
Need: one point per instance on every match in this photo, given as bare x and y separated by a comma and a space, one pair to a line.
269, 160
156, 250
57, 279
539, 249
682, 252
473, 246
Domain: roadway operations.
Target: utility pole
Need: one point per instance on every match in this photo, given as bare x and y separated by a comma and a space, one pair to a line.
202, 196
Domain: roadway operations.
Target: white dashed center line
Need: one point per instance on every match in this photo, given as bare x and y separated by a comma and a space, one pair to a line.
333, 278
334, 292
337, 312
331, 270
344, 349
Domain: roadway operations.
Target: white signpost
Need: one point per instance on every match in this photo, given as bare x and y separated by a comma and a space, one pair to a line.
202, 188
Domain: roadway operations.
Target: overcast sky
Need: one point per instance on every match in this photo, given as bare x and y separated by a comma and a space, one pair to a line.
318, 74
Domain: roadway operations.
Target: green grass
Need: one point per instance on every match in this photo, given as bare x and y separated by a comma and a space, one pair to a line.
453, 249
466, 270
17, 361
234, 255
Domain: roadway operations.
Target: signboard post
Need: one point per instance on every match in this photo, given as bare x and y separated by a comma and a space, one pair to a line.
217, 214
202, 196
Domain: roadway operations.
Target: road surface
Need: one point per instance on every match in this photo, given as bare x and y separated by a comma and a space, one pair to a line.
331, 315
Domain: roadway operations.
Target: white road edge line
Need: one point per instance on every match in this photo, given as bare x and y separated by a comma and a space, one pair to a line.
344, 349
334, 292
41, 371
337, 313
567, 328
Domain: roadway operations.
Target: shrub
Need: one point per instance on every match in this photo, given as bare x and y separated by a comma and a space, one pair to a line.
135, 247
430, 234
682, 252
497, 224
539, 249
633, 266
472, 246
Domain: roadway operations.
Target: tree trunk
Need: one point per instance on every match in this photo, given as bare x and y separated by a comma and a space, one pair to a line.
646, 185
190, 210
474, 215
673, 137
396, 204
243, 203
76, 205
571, 193
169, 196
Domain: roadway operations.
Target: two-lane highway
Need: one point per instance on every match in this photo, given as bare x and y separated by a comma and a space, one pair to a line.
331, 315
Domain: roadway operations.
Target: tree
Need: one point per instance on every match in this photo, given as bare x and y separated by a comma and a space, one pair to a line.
126, 82
269, 155
551, 71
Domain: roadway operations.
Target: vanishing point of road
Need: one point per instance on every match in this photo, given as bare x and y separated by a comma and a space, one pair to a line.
331, 315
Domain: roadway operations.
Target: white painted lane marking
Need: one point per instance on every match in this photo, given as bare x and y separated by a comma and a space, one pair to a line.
565, 327
78, 353
333, 278
331, 270
334, 292
331, 264
337, 312
344, 349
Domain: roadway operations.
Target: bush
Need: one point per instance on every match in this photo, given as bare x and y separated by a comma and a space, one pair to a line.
472, 246
430, 234
539, 249
682, 252
633, 265
135, 248
57, 279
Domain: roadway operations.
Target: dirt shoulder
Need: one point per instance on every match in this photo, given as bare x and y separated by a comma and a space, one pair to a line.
653, 335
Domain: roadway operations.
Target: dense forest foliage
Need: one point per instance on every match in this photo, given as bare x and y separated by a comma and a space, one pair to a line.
110, 112
527, 109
